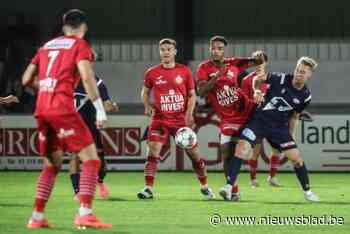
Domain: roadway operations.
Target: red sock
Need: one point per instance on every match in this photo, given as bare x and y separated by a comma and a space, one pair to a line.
88, 181
235, 189
201, 171
253, 165
274, 163
44, 187
151, 167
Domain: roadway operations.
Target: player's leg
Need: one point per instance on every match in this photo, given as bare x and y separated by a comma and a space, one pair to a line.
104, 191
301, 173
158, 135
274, 164
74, 173
50, 150
200, 169
77, 139
227, 148
253, 165
45, 184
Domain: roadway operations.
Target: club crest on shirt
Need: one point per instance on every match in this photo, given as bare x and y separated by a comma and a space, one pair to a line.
171, 92
230, 74
179, 79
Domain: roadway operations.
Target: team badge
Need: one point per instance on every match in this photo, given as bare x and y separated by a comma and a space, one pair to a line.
230, 74
179, 79
171, 92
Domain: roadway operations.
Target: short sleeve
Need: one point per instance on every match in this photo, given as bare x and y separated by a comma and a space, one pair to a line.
190, 81
201, 74
84, 52
305, 104
147, 82
36, 59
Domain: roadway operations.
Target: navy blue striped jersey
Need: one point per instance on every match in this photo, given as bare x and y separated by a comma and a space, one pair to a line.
282, 100
82, 102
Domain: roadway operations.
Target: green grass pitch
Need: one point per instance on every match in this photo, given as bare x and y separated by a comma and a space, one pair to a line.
178, 206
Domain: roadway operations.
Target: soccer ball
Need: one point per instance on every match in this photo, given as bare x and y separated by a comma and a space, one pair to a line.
185, 138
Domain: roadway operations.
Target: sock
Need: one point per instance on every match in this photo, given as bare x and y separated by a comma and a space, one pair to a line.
102, 172
75, 178
253, 165
45, 184
201, 171
38, 216
84, 211
302, 174
151, 167
88, 182
226, 165
235, 188
234, 169
274, 163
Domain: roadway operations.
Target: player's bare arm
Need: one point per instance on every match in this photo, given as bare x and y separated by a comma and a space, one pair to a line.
89, 82
293, 124
206, 86
29, 75
9, 99
149, 110
191, 103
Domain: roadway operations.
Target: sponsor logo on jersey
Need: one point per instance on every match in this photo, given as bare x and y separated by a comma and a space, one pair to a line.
173, 102
278, 103
60, 43
159, 80
227, 95
65, 133
296, 101
47, 85
248, 133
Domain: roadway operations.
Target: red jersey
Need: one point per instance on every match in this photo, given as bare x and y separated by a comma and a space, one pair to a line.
170, 87
58, 74
247, 85
226, 98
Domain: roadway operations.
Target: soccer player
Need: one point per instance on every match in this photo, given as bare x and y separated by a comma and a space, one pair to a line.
217, 81
174, 101
276, 119
247, 87
87, 111
59, 64
8, 99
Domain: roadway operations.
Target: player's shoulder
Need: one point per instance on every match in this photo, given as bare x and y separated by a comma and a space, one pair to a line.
182, 66
204, 64
152, 69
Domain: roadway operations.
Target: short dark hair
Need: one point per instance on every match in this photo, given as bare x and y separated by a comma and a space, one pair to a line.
74, 18
167, 41
218, 38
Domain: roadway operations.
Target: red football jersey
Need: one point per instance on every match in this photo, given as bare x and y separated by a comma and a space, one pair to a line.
58, 74
226, 98
170, 91
247, 85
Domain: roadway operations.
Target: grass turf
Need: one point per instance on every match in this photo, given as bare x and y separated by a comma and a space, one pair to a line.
178, 206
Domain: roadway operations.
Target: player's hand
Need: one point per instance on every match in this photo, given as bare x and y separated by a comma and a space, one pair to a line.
111, 106
189, 120
149, 110
260, 57
258, 97
9, 99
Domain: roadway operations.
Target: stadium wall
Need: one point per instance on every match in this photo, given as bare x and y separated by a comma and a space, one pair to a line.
328, 85
324, 144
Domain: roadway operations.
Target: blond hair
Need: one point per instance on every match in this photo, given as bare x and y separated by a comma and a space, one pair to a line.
307, 61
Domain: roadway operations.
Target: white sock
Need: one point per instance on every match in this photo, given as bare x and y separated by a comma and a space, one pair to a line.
308, 192
38, 216
84, 211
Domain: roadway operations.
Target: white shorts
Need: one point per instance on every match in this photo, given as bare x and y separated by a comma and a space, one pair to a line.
227, 138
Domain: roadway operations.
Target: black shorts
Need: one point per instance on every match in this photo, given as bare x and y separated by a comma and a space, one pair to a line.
278, 136
90, 120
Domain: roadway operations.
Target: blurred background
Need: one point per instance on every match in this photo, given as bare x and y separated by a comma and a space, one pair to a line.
125, 34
